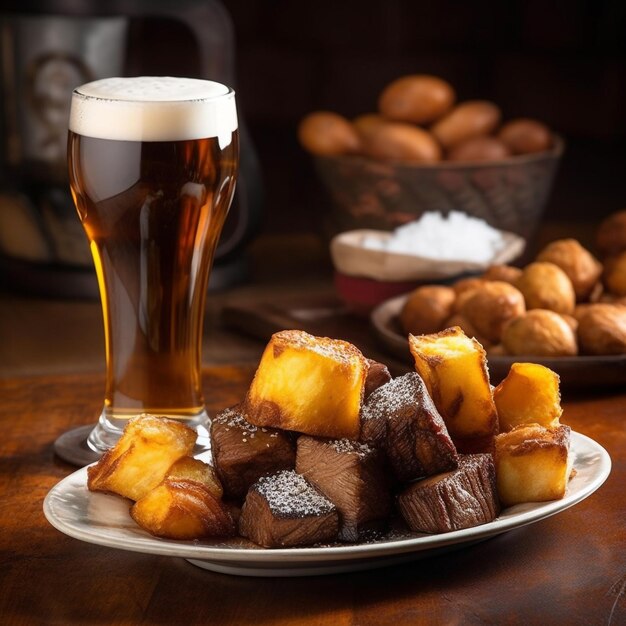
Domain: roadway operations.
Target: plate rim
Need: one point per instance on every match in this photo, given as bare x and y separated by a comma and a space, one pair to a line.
424, 542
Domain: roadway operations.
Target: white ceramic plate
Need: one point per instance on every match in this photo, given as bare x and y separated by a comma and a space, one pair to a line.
104, 519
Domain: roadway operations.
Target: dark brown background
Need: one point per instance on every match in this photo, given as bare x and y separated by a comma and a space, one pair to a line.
562, 62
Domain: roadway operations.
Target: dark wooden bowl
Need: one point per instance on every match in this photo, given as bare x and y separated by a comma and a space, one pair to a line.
510, 194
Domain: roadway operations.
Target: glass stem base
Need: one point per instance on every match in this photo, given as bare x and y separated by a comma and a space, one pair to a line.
107, 432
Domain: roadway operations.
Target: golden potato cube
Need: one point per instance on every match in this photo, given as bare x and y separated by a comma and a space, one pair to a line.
140, 459
194, 470
179, 509
454, 368
528, 395
312, 385
532, 463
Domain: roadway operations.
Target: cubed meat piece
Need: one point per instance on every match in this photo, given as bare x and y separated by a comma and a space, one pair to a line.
377, 375
351, 475
462, 498
142, 456
242, 452
284, 510
403, 417
533, 463
308, 384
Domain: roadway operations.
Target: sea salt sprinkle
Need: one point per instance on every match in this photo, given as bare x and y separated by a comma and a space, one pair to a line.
457, 237
347, 446
289, 494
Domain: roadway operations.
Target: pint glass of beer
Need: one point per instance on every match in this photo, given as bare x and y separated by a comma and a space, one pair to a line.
153, 163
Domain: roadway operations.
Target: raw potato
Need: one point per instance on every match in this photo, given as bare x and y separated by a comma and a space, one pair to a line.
539, 333
419, 98
426, 309
366, 123
479, 149
615, 275
525, 136
602, 329
454, 368
326, 133
396, 141
489, 308
505, 273
312, 385
141, 458
528, 395
611, 234
468, 119
581, 267
547, 286
533, 464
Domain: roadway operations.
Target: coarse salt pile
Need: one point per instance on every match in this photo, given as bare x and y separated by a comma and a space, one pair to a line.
457, 237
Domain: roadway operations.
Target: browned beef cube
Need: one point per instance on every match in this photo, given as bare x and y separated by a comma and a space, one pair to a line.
402, 415
462, 498
284, 510
351, 475
242, 453
377, 376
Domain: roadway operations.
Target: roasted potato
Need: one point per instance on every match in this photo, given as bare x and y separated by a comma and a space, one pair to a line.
194, 470
141, 458
504, 273
525, 136
581, 267
611, 234
541, 333
326, 133
312, 385
467, 120
366, 123
528, 395
468, 328
533, 463
426, 309
602, 329
489, 308
467, 284
547, 286
181, 509
615, 274
419, 98
454, 368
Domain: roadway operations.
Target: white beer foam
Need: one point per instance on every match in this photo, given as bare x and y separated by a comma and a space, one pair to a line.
154, 108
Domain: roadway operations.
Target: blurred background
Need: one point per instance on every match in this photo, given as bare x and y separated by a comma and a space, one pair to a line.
561, 62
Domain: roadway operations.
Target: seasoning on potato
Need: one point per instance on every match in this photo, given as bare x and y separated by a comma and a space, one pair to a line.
326, 133
396, 141
419, 98
525, 136
468, 119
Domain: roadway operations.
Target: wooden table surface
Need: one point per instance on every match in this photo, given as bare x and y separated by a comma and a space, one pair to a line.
567, 569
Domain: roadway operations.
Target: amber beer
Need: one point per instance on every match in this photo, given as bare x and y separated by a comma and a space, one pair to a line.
153, 164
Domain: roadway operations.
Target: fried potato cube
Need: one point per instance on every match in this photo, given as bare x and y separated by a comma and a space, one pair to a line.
190, 469
140, 459
182, 509
454, 368
313, 385
528, 395
532, 463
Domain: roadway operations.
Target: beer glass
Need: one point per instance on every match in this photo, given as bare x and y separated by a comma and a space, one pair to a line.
153, 163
